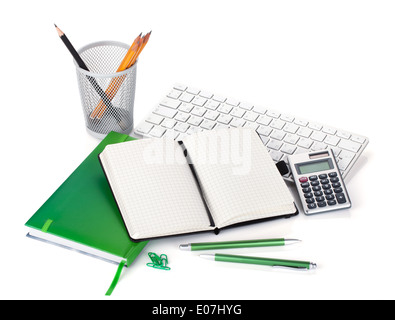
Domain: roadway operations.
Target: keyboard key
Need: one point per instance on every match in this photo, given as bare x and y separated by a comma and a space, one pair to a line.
287, 118
343, 134
219, 98
154, 119
206, 94
316, 146
157, 132
265, 131
274, 144
224, 108
277, 124
250, 116
358, 139
195, 121
304, 132
260, 110
237, 112
170, 103
180, 87
301, 122
291, 138
199, 101
212, 105
168, 123
193, 90
278, 135
211, 115
251, 125
186, 107
276, 156
349, 145
198, 111
186, 97
305, 143
237, 122
264, 120
208, 124
288, 149
182, 117
224, 118
181, 127
232, 102
165, 112
314, 126
273, 114
174, 94
332, 140
291, 128
329, 130
318, 136
246, 106
145, 128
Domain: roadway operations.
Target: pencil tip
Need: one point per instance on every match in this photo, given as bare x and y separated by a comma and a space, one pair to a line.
60, 32
55, 25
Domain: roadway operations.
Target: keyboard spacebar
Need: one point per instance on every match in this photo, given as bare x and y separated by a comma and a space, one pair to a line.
165, 112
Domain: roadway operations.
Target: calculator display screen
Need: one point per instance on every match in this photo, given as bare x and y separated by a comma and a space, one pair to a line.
315, 166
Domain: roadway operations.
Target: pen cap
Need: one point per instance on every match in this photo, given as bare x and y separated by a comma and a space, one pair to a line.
107, 96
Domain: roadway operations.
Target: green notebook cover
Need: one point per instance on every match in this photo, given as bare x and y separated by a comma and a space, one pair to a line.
83, 209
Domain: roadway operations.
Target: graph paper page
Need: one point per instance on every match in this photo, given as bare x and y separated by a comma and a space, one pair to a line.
154, 188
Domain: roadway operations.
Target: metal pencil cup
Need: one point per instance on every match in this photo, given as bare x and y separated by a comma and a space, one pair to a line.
107, 96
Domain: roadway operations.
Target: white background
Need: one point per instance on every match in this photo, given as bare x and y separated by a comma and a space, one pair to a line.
329, 61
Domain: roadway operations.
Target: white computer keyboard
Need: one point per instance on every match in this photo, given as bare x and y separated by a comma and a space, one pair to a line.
186, 110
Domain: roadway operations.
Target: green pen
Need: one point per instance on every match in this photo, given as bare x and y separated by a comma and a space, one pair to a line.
293, 264
237, 244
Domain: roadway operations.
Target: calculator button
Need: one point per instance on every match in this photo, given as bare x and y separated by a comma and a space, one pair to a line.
323, 176
318, 193
306, 190
303, 179
331, 202
324, 181
305, 185
311, 206
341, 198
310, 200
321, 204
326, 186
333, 174
313, 178
338, 190
330, 197
320, 199
308, 195
336, 185
315, 183
333, 180
316, 188
328, 191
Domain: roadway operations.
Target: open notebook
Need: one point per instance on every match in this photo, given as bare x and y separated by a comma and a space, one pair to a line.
210, 180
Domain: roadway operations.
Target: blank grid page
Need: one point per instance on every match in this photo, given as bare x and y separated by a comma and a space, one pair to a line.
155, 199
247, 185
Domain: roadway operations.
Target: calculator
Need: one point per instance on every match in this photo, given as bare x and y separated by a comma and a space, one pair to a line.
319, 183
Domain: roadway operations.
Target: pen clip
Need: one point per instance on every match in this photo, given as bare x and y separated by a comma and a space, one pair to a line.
311, 266
290, 268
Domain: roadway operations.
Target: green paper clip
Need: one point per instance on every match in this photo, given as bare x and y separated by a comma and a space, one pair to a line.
158, 262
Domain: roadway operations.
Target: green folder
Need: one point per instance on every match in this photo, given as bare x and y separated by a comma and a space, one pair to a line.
82, 214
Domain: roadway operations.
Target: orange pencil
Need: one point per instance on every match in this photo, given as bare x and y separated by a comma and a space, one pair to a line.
123, 66
115, 85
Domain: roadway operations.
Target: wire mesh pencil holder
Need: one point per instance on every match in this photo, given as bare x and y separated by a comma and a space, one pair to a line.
107, 96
